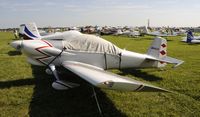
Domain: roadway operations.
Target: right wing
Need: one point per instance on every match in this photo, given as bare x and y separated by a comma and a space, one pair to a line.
102, 79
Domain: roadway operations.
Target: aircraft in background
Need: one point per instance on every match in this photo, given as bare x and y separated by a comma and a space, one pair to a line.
191, 39
180, 32
88, 56
127, 33
146, 31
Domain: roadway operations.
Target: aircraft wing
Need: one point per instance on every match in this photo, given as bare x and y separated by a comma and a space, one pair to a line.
103, 79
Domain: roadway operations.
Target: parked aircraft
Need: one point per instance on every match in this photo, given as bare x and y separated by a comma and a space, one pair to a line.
89, 56
127, 33
146, 31
180, 32
191, 38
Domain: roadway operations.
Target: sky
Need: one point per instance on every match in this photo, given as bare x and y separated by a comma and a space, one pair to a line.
173, 13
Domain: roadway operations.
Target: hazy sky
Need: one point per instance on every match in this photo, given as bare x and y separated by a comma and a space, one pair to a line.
100, 12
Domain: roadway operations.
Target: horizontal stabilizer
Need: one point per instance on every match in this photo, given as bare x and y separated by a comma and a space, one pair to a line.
171, 60
168, 59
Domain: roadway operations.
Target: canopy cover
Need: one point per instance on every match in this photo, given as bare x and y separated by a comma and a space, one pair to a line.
89, 43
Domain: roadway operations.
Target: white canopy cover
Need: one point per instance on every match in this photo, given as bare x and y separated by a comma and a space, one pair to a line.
89, 43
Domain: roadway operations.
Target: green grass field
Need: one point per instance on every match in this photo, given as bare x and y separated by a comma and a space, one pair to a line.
26, 90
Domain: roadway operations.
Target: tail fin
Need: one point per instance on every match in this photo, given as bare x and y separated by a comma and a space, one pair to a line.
29, 31
190, 36
158, 49
145, 30
158, 53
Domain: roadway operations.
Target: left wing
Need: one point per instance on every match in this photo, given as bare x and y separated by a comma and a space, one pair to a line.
102, 79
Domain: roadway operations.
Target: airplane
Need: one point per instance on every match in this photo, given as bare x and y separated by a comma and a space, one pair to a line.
127, 33
89, 56
157, 33
30, 32
180, 32
191, 38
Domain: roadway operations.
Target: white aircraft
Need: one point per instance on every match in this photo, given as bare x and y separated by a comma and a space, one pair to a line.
158, 33
30, 32
89, 56
191, 38
128, 33
181, 32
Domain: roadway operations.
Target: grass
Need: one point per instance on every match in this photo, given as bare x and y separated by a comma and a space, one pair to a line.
26, 90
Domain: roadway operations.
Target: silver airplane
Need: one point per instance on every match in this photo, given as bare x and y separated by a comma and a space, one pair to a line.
146, 31
89, 57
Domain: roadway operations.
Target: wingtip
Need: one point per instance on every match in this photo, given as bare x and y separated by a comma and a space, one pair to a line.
179, 63
153, 89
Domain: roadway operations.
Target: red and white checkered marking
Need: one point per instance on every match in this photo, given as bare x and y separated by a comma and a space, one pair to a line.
162, 52
164, 45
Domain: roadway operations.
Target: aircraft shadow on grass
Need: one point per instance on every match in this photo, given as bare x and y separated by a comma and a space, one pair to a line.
79, 101
16, 83
14, 53
189, 44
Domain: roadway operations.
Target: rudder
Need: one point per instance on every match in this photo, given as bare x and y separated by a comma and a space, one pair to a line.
190, 36
158, 49
29, 31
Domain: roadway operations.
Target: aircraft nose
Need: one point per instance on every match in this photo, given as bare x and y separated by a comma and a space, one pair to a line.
17, 44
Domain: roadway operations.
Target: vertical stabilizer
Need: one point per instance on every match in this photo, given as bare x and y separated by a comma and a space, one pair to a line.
144, 30
158, 49
190, 36
29, 31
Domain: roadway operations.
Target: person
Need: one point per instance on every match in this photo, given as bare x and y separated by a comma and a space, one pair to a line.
16, 34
